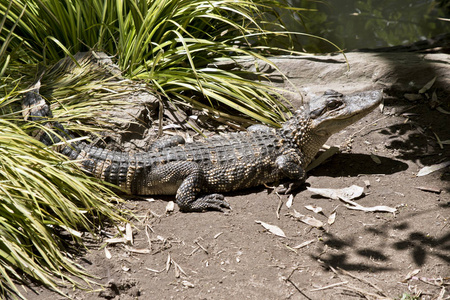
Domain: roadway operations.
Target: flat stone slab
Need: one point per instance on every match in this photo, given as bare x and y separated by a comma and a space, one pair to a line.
407, 72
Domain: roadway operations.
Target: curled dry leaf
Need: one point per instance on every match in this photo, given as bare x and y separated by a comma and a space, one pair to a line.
332, 218
322, 157
139, 251
129, 233
289, 201
348, 193
125, 268
429, 189
430, 169
427, 86
116, 240
187, 284
411, 275
379, 208
107, 253
170, 207
311, 221
440, 109
314, 208
272, 228
304, 244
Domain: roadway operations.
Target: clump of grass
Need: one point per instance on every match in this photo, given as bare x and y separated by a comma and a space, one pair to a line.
171, 44
43, 194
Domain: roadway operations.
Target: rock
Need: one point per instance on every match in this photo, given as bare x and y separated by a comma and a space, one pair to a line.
407, 72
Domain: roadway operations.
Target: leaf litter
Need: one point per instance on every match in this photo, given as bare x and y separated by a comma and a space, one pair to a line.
349, 193
272, 228
433, 168
311, 221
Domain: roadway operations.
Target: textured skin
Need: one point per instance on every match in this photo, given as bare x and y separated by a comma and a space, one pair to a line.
198, 172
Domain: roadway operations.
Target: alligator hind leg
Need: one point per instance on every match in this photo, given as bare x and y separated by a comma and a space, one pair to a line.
185, 179
189, 189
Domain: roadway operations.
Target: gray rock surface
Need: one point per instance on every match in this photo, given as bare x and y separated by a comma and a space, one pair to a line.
407, 72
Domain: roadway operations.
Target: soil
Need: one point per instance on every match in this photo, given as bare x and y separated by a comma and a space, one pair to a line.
362, 255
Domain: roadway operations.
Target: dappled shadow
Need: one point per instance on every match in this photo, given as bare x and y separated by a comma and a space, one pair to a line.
416, 139
417, 244
344, 258
380, 252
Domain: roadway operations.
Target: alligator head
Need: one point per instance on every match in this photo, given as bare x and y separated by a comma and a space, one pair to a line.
325, 115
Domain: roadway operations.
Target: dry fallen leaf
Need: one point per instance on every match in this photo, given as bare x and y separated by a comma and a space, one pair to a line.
381, 208
139, 251
322, 157
272, 228
440, 109
129, 233
314, 208
429, 189
412, 97
170, 207
125, 268
430, 169
376, 159
349, 193
187, 284
311, 221
116, 240
427, 86
71, 231
107, 253
289, 201
332, 218
410, 275
304, 244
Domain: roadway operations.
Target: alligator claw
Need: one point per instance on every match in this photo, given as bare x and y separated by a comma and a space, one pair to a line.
207, 202
289, 187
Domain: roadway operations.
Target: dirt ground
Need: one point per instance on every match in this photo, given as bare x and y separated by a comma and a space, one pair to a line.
362, 255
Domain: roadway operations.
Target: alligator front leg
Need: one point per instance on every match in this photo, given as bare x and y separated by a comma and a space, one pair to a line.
290, 165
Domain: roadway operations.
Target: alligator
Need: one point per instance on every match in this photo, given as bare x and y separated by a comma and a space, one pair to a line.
199, 172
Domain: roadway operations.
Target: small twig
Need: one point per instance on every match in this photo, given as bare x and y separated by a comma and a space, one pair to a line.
193, 251
147, 228
203, 248
366, 293
280, 204
178, 269
288, 279
329, 286
429, 189
362, 280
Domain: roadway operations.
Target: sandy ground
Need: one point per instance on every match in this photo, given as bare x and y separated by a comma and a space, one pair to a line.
362, 255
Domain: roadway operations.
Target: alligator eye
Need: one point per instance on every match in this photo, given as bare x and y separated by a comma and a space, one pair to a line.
333, 105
